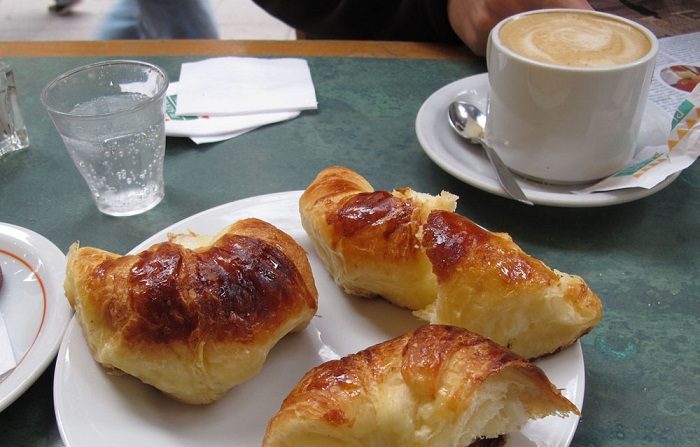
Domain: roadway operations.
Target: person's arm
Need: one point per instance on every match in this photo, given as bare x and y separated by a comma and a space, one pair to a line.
472, 20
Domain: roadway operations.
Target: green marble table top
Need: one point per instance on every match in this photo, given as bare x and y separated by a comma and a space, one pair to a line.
643, 359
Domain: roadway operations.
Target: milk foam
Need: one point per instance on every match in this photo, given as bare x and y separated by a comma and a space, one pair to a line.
574, 39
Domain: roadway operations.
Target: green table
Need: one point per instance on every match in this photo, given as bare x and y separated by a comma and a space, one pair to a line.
642, 360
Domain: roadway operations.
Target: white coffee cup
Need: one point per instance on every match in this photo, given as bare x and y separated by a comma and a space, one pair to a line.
561, 123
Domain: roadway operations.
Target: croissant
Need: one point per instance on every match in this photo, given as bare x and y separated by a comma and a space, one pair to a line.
196, 315
436, 386
414, 250
369, 240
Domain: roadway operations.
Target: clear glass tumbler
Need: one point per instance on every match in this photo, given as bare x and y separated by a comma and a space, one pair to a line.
13, 133
110, 116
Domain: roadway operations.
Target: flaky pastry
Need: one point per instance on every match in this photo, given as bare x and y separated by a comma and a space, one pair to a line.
368, 239
438, 386
196, 315
414, 250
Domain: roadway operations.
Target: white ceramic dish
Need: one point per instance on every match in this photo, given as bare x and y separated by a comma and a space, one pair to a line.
32, 304
95, 408
468, 162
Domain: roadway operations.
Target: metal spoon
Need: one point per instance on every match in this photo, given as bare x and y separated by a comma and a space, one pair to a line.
468, 121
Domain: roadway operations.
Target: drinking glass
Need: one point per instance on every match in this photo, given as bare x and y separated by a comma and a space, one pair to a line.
110, 116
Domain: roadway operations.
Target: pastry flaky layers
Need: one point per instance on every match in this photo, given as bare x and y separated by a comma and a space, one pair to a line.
196, 315
414, 250
439, 386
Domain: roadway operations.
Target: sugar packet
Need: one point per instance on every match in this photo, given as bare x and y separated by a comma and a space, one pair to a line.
652, 165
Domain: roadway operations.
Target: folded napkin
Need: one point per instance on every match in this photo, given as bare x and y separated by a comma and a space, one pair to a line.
221, 98
209, 129
244, 85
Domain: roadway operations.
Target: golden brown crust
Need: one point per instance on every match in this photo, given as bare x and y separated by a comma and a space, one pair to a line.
416, 252
429, 377
240, 292
550, 310
332, 185
363, 236
456, 245
378, 221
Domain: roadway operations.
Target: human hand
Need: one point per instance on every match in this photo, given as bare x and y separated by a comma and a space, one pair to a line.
472, 20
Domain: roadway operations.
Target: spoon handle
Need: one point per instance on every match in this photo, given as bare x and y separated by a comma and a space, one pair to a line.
505, 176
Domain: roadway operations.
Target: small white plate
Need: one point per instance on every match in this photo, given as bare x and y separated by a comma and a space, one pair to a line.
95, 408
469, 163
32, 304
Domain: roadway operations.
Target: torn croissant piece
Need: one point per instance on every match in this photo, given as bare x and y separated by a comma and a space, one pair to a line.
368, 239
196, 315
436, 386
487, 284
414, 250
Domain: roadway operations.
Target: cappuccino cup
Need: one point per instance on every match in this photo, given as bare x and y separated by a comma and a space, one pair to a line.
568, 89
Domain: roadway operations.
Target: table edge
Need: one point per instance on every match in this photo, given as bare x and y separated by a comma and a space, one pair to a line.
311, 48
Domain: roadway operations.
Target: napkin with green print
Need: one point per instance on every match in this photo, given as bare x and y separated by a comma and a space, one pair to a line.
208, 129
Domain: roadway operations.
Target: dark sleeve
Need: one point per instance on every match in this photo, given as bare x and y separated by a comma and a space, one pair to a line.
417, 20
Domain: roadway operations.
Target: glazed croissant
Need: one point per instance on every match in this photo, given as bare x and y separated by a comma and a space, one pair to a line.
414, 250
196, 315
368, 240
437, 386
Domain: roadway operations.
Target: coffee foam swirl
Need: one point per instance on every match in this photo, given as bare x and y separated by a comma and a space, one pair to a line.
574, 39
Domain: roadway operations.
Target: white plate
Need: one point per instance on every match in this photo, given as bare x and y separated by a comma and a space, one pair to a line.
32, 304
468, 162
94, 408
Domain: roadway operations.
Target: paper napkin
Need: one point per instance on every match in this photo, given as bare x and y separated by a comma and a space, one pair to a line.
209, 129
7, 356
245, 85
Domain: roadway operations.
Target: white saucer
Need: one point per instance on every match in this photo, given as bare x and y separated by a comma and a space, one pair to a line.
32, 304
468, 162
